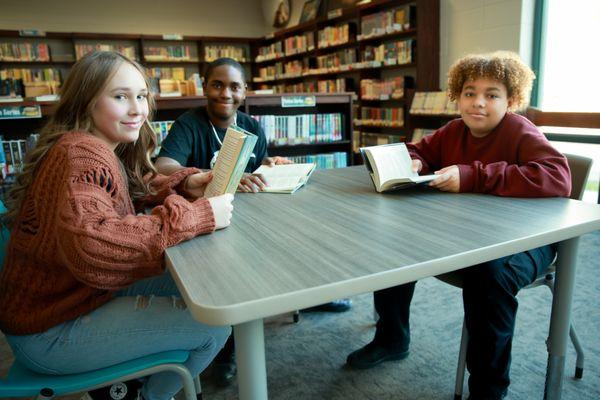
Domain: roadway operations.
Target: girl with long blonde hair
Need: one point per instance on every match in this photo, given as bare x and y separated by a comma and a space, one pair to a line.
83, 285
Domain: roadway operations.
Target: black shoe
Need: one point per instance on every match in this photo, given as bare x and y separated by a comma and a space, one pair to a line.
224, 373
334, 306
373, 354
488, 396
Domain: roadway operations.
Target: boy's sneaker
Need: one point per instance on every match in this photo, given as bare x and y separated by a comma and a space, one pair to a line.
128, 390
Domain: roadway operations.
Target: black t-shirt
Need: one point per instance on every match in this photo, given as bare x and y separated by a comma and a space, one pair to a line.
192, 142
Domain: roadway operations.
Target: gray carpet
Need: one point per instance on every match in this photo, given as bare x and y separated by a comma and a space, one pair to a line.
306, 360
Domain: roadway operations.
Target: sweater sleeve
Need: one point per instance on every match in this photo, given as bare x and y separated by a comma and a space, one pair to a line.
106, 247
429, 151
540, 171
165, 185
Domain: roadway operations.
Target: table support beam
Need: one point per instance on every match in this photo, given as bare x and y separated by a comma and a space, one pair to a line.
560, 320
250, 358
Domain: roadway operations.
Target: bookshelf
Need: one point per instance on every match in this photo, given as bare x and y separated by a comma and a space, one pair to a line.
381, 51
327, 116
46, 60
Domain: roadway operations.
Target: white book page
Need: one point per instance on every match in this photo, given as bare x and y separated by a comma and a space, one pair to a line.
226, 159
286, 176
392, 162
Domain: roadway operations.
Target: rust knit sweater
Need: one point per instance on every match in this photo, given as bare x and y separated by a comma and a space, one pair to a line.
77, 238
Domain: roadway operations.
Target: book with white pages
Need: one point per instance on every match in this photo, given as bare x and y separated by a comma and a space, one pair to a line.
285, 178
390, 167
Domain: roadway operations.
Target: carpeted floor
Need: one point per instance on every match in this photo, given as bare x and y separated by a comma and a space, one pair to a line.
306, 360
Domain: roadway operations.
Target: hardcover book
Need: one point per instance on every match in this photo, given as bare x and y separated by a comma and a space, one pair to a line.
231, 161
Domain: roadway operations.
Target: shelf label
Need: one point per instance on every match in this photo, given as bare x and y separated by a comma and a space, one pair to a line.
298, 101
172, 36
334, 13
32, 33
20, 112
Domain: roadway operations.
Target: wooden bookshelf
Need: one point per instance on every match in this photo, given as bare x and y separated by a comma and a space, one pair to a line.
422, 69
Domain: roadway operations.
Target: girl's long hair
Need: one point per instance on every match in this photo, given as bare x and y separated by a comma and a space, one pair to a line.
79, 94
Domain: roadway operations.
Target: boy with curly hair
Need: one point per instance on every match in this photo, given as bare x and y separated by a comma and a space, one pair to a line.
488, 150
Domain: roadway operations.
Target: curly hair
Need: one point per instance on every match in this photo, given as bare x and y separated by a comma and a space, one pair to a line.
503, 66
80, 92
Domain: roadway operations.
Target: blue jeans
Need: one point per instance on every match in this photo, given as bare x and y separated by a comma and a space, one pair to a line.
146, 318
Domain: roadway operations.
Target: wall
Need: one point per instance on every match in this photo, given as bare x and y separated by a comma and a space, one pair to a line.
234, 18
268, 11
474, 26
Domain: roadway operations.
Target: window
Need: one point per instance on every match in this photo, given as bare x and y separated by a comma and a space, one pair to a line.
568, 58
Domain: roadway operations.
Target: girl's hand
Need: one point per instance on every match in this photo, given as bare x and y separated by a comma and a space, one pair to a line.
195, 184
448, 180
222, 209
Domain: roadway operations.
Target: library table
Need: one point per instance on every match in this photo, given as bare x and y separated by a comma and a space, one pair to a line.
337, 238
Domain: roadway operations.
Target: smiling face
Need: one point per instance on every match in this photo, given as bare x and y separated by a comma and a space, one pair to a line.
122, 107
482, 104
225, 90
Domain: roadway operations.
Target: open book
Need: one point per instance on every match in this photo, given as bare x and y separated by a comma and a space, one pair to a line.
231, 161
390, 167
285, 178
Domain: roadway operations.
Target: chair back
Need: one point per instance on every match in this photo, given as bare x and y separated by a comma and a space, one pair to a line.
580, 171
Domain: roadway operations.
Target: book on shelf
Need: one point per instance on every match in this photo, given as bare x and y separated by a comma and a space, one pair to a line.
285, 178
390, 167
231, 161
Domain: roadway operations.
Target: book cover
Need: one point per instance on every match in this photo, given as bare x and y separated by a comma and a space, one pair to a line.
231, 161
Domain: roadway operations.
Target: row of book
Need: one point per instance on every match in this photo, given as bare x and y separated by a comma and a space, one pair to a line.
386, 22
375, 89
333, 36
161, 129
82, 49
24, 52
12, 154
433, 103
31, 74
282, 130
177, 73
321, 86
181, 52
395, 52
214, 52
338, 159
299, 44
391, 53
337, 59
381, 117
364, 139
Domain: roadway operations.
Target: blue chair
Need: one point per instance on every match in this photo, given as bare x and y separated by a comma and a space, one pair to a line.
22, 382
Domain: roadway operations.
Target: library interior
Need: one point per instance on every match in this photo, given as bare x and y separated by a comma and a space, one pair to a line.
317, 81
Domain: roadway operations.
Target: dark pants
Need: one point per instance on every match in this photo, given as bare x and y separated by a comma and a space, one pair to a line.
490, 306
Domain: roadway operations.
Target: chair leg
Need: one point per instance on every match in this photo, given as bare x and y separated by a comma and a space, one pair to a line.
296, 316
198, 387
579, 351
549, 282
462, 361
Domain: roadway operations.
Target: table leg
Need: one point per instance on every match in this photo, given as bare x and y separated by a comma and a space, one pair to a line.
560, 320
250, 359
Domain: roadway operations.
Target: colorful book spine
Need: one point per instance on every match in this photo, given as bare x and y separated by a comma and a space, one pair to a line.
285, 130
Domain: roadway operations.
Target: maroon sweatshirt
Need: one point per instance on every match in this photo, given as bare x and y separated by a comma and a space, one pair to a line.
515, 159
